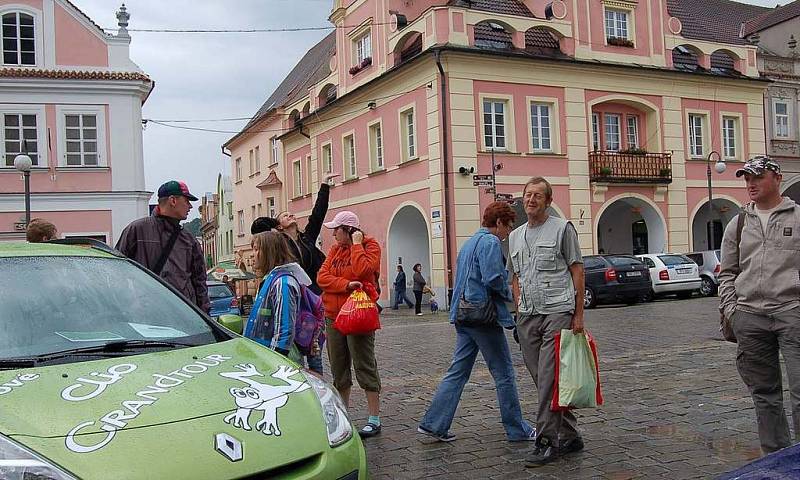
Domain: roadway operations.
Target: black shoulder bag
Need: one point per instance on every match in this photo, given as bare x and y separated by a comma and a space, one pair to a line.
471, 314
162, 260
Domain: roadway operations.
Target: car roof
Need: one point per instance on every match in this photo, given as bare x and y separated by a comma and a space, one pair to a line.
52, 249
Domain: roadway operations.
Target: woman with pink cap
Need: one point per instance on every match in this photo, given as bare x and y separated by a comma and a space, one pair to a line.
353, 261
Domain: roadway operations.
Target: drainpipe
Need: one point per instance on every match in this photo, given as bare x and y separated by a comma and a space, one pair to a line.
446, 168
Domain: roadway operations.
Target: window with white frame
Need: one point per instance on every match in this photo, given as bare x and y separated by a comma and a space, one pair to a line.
274, 144
612, 132
696, 135
633, 131
238, 169
18, 39
252, 162
540, 127
20, 135
308, 170
349, 149
297, 171
376, 146
781, 115
363, 47
327, 158
596, 132
616, 23
240, 221
258, 210
258, 159
494, 124
409, 139
272, 210
729, 127
252, 213
81, 140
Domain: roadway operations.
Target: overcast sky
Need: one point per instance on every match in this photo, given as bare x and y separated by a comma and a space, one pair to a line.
212, 75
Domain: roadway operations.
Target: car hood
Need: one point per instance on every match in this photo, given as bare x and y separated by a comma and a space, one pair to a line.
158, 415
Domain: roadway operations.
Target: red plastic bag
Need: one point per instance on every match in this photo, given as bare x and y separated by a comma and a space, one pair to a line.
554, 403
358, 316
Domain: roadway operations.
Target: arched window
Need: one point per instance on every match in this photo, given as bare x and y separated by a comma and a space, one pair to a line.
540, 39
19, 46
492, 35
685, 59
722, 63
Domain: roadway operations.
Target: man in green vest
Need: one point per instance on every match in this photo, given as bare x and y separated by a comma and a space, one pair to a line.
548, 286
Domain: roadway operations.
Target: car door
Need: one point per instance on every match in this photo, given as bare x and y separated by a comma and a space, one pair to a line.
652, 268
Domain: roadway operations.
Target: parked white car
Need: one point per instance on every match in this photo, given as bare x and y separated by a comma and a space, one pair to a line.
672, 273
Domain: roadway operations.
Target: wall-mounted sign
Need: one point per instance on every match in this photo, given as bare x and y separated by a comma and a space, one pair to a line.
436, 230
20, 226
436, 213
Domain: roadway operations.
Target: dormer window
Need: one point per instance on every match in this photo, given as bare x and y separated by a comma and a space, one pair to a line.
616, 24
363, 47
18, 39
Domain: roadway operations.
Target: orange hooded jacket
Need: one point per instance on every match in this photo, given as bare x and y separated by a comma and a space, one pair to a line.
346, 264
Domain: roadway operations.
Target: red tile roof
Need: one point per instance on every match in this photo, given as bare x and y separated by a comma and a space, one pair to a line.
713, 20
507, 7
771, 18
11, 72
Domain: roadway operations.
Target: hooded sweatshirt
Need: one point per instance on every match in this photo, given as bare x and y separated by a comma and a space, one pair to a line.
764, 277
345, 264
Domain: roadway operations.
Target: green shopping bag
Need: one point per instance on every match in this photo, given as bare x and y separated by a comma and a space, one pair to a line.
577, 380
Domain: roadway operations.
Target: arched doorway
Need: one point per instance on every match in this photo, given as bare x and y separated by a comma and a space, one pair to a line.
408, 244
793, 191
702, 236
631, 225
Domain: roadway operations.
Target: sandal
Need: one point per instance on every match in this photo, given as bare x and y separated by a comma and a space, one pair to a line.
369, 430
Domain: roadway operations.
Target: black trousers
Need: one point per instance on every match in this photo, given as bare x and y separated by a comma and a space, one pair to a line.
417, 302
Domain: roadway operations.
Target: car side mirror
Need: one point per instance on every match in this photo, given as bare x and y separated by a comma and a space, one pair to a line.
231, 322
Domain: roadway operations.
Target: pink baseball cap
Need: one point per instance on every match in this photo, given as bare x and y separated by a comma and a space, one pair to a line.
345, 218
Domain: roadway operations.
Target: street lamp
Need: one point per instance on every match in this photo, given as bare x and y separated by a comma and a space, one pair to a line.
23, 163
719, 167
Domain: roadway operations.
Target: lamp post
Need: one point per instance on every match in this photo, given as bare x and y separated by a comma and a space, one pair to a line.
23, 163
719, 167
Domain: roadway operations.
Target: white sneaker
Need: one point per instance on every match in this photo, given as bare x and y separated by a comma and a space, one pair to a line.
419, 314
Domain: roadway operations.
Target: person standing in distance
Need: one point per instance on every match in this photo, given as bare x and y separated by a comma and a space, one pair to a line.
759, 295
162, 245
548, 287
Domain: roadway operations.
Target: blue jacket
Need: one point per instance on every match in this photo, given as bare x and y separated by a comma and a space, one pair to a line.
487, 276
272, 319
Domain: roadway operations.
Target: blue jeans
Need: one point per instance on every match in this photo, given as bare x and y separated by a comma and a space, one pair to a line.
492, 344
401, 296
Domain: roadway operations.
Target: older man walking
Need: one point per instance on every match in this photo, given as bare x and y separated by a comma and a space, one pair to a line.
163, 246
548, 286
760, 298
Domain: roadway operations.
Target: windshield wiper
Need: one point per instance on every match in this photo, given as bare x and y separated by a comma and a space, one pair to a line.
113, 347
12, 363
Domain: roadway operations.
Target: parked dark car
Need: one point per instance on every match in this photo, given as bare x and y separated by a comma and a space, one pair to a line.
615, 279
223, 301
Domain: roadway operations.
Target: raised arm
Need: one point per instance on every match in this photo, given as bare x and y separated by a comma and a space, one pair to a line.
318, 213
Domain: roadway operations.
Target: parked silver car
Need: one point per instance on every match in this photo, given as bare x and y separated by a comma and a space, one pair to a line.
708, 261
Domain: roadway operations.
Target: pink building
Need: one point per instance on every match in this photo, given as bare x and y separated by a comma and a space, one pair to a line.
71, 96
618, 102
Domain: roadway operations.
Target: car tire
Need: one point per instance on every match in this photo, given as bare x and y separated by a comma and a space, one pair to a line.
707, 287
649, 296
589, 300
685, 295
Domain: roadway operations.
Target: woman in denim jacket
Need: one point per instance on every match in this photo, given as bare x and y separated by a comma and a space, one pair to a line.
481, 259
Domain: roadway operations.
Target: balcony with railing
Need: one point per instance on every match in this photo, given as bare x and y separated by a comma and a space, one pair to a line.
620, 167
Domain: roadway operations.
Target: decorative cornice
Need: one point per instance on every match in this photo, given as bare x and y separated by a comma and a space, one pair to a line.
8, 72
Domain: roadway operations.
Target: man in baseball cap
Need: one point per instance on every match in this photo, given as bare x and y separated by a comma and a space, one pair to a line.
760, 298
160, 243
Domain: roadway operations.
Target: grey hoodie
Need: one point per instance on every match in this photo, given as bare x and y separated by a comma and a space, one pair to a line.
765, 277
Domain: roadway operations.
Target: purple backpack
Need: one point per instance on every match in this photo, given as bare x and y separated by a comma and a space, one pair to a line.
309, 326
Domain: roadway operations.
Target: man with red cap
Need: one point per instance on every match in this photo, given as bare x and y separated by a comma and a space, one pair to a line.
162, 245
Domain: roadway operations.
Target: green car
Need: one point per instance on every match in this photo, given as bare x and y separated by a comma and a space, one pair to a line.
107, 372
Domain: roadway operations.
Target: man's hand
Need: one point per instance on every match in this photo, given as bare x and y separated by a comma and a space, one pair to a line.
327, 179
358, 237
577, 323
354, 285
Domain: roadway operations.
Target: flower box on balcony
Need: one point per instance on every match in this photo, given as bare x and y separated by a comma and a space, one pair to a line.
631, 166
619, 42
361, 66
665, 172
606, 171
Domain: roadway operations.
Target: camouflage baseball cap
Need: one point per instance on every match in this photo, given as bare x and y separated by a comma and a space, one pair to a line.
758, 166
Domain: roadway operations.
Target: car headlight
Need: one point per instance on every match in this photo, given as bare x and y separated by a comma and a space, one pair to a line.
333, 410
19, 463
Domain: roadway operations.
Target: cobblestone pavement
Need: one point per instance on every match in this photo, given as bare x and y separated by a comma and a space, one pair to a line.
675, 405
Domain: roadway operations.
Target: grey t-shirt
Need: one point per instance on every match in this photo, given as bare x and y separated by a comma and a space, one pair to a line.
570, 247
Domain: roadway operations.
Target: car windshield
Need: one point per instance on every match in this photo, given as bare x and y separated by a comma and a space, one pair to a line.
670, 260
53, 304
623, 261
219, 291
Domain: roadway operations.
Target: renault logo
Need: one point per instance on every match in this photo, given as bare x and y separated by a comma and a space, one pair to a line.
228, 446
